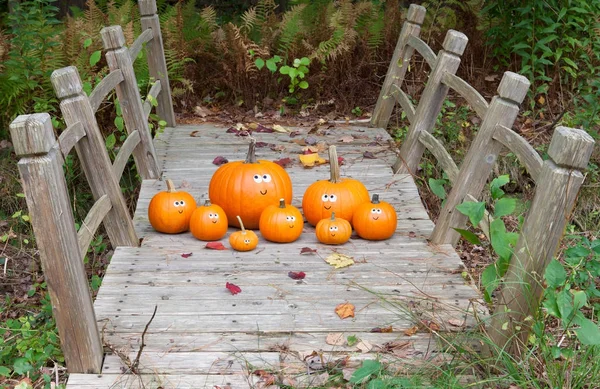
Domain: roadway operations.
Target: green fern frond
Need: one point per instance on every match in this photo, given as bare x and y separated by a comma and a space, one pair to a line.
209, 17
291, 28
249, 19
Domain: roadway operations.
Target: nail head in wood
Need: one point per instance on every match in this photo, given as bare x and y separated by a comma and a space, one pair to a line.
32, 134
66, 82
571, 147
112, 37
147, 7
416, 14
455, 42
513, 87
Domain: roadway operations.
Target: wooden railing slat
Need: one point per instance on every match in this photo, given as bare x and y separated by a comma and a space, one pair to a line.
404, 101
92, 220
474, 98
154, 92
126, 149
522, 149
135, 48
69, 137
423, 48
105, 86
439, 152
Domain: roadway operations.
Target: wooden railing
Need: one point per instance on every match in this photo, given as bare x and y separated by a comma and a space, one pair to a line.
62, 248
558, 179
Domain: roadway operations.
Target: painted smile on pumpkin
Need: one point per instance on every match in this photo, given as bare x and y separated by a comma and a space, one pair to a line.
180, 211
292, 226
332, 234
375, 218
214, 221
261, 192
327, 208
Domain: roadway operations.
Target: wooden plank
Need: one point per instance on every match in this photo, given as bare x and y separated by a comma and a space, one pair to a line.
404, 101
69, 137
133, 139
398, 66
136, 47
441, 155
522, 149
474, 98
103, 88
152, 381
154, 91
423, 48
92, 220
45, 188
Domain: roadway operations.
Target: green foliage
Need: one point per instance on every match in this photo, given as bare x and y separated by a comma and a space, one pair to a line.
297, 72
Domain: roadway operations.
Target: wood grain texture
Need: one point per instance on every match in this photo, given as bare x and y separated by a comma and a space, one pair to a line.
474, 98
154, 91
136, 47
125, 152
49, 206
423, 48
104, 87
404, 101
117, 56
441, 155
91, 222
69, 137
398, 66
521, 148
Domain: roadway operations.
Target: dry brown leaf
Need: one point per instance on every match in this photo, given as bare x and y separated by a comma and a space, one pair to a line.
345, 310
346, 139
338, 260
456, 322
411, 331
335, 339
364, 346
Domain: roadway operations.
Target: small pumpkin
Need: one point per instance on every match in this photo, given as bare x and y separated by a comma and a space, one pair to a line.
246, 188
339, 195
208, 222
333, 230
281, 223
244, 240
376, 220
169, 211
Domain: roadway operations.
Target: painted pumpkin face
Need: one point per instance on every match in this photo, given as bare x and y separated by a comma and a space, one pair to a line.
244, 240
375, 220
281, 223
246, 188
208, 222
339, 195
169, 211
333, 230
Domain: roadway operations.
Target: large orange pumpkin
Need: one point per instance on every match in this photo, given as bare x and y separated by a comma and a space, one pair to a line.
333, 230
244, 240
170, 211
281, 223
376, 220
246, 188
339, 195
208, 222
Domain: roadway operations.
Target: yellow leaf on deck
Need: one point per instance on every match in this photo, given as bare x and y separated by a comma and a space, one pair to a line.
310, 160
338, 260
278, 128
345, 310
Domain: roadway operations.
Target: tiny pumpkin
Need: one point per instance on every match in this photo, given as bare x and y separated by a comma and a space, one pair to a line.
169, 211
208, 222
244, 240
246, 188
376, 220
339, 195
333, 230
281, 223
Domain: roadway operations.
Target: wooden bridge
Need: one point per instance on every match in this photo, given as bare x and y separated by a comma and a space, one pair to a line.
165, 319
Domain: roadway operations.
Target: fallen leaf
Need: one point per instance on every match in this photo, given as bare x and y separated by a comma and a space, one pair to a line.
314, 361
335, 339
297, 275
311, 140
364, 346
338, 260
308, 250
220, 160
215, 246
202, 112
310, 160
261, 128
185, 184
195, 134
299, 142
267, 377
456, 322
310, 149
345, 310
394, 346
278, 148
348, 372
431, 325
341, 161
411, 331
491, 78
382, 329
369, 155
346, 139
233, 288
279, 128
294, 133
283, 162
412, 234
262, 144
186, 255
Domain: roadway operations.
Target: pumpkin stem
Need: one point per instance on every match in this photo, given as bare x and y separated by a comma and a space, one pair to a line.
241, 225
281, 203
251, 156
332, 215
207, 203
375, 199
170, 186
334, 166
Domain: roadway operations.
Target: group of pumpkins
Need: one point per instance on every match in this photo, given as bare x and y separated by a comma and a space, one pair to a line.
256, 194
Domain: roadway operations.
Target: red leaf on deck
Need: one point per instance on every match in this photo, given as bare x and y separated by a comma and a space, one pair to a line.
369, 155
308, 250
215, 246
263, 144
186, 255
341, 161
220, 160
261, 128
283, 162
233, 288
294, 133
267, 379
193, 134
297, 275
232, 130
382, 329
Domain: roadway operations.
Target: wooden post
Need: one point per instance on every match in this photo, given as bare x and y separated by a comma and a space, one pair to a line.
481, 157
156, 60
41, 168
91, 149
398, 66
117, 56
557, 188
431, 102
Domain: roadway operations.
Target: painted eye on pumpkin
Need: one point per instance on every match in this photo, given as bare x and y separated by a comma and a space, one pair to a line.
290, 218
333, 228
176, 203
325, 198
378, 210
266, 177
247, 241
374, 210
333, 198
181, 203
258, 179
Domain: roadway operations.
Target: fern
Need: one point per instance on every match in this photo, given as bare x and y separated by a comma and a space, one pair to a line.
291, 29
249, 20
